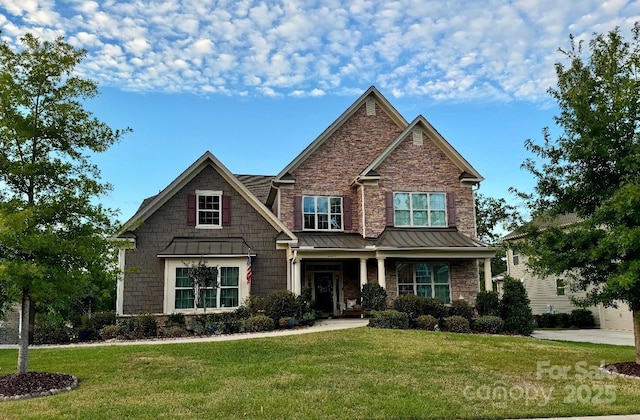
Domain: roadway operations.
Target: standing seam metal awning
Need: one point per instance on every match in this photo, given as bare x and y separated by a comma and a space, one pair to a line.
206, 247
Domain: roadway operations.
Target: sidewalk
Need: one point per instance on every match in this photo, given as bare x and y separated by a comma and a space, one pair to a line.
321, 325
598, 336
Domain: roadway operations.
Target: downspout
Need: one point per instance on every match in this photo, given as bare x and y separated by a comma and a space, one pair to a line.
364, 225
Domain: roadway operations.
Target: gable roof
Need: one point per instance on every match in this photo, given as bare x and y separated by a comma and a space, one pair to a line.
372, 92
467, 172
259, 185
542, 222
151, 204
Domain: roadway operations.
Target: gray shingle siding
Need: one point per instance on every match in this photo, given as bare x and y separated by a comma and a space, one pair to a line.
144, 278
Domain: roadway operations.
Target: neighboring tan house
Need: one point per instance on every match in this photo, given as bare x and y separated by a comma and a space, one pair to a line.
10, 325
553, 293
373, 199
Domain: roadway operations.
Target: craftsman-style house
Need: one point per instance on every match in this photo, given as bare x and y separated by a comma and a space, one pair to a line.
373, 199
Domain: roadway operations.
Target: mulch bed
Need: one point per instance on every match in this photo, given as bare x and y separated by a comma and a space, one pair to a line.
35, 384
624, 368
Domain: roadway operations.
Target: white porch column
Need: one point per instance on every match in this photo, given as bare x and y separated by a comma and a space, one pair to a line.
382, 280
297, 277
363, 272
488, 285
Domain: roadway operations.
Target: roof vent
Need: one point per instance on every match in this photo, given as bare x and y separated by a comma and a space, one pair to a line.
417, 137
371, 107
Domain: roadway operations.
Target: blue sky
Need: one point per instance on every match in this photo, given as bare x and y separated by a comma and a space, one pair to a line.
255, 82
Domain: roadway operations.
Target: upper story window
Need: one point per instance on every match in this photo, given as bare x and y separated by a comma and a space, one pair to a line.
419, 209
560, 287
515, 258
208, 209
322, 213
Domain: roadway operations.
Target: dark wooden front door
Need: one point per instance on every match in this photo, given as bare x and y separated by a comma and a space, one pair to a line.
323, 284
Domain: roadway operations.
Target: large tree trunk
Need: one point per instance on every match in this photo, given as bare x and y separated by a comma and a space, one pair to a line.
635, 310
23, 343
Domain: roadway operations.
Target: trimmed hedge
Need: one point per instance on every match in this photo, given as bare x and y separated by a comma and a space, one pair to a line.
259, 323
582, 318
426, 322
488, 303
461, 308
389, 319
489, 324
457, 324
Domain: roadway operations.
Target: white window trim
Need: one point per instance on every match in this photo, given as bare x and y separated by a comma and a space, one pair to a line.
208, 193
170, 266
329, 214
563, 287
433, 284
428, 209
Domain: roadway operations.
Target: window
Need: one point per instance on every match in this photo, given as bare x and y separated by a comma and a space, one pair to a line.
516, 258
419, 209
208, 211
560, 287
322, 213
422, 279
223, 295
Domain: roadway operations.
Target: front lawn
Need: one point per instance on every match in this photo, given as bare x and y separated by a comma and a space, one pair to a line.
362, 373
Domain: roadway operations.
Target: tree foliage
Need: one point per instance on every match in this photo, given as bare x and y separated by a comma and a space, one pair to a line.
53, 235
593, 170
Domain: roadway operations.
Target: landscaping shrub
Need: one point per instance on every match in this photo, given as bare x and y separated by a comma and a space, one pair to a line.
389, 319
548, 320
255, 304
412, 305
426, 322
138, 327
175, 319
514, 308
489, 324
259, 323
457, 324
308, 319
110, 332
564, 320
434, 307
374, 297
582, 318
281, 304
173, 331
461, 308
229, 323
287, 322
51, 328
488, 303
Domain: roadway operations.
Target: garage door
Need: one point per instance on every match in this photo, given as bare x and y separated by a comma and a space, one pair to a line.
619, 318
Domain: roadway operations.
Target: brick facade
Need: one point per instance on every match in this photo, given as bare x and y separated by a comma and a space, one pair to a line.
331, 169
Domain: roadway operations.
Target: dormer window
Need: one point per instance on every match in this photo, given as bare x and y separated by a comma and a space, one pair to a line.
209, 209
420, 209
322, 213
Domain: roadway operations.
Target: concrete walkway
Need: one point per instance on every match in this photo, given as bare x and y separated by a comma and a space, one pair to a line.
598, 336
321, 325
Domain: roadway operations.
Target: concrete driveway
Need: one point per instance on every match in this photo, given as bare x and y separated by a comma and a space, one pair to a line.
619, 338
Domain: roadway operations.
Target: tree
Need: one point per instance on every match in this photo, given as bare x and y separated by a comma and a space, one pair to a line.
53, 236
592, 169
205, 283
493, 217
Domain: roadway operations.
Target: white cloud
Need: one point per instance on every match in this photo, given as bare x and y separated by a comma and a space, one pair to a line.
451, 51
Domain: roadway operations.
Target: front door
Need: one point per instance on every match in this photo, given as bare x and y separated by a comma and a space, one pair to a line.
323, 285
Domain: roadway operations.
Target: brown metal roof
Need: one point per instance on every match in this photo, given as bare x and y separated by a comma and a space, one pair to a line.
426, 238
391, 238
332, 240
180, 247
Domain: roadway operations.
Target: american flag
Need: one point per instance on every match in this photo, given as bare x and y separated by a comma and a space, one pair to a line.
249, 272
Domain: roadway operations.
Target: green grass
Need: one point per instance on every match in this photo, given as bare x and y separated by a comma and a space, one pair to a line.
362, 373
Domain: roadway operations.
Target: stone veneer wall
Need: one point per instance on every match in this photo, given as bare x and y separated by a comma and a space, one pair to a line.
339, 160
144, 275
